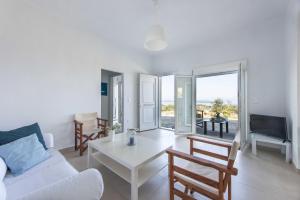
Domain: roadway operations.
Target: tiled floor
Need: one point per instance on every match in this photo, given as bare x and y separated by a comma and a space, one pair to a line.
263, 177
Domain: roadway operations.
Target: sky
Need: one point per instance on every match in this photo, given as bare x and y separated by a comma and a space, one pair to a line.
167, 89
221, 86
208, 88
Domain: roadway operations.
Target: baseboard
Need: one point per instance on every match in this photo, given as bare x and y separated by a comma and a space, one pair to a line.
246, 146
64, 146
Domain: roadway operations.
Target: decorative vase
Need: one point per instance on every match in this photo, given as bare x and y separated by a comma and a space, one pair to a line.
131, 136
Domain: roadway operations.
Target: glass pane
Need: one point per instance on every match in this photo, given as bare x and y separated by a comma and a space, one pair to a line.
167, 114
217, 109
184, 104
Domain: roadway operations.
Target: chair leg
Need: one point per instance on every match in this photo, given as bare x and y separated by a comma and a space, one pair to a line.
171, 190
76, 148
80, 145
229, 188
82, 148
81, 151
186, 189
171, 176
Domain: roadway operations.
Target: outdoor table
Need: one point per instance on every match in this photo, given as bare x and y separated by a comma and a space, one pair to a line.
213, 121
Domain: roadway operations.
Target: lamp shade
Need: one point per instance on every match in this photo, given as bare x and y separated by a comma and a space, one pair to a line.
155, 39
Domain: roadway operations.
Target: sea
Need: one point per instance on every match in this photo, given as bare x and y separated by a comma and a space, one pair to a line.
202, 102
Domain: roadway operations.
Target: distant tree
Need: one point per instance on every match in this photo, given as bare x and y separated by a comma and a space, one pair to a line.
226, 110
217, 106
168, 107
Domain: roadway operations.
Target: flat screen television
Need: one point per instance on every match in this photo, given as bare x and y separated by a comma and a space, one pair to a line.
269, 125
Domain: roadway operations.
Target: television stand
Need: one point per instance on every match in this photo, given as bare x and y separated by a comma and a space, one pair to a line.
285, 144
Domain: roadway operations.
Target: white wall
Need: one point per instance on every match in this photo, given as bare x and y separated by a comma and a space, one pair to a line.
261, 45
49, 71
293, 77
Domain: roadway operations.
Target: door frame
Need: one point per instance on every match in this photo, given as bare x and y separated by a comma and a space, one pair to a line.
111, 90
122, 99
241, 67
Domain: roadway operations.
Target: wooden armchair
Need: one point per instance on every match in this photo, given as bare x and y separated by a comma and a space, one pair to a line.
88, 127
203, 176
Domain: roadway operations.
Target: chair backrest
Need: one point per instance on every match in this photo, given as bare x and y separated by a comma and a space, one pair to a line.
233, 152
235, 146
89, 120
232, 156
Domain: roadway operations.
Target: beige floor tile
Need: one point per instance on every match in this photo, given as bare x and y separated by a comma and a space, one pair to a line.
263, 177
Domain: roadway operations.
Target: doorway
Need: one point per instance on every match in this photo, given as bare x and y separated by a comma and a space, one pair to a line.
167, 102
217, 105
112, 98
176, 103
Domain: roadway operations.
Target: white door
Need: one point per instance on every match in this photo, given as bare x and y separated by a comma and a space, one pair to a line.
239, 67
183, 104
148, 111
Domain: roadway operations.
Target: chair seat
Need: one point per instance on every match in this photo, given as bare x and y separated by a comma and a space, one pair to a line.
90, 132
203, 171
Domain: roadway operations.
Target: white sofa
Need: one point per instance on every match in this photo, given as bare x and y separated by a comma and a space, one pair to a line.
53, 179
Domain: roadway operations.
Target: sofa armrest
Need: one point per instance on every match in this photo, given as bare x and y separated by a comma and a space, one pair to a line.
49, 140
87, 185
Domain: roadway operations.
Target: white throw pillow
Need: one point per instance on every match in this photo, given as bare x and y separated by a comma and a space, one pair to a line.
2, 191
3, 169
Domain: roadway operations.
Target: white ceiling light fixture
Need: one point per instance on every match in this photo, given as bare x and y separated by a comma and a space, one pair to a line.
155, 38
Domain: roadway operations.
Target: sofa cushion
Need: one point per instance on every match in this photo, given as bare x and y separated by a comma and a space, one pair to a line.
48, 172
22, 154
87, 185
3, 169
10, 136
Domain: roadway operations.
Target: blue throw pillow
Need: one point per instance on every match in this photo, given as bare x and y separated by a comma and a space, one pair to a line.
9, 136
22, 154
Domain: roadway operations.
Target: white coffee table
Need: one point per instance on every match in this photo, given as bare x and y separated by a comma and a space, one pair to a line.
135, 164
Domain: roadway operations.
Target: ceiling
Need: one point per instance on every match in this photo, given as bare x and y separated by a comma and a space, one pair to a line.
187, 22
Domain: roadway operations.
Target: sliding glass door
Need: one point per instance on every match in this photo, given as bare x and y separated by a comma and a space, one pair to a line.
183, 104
167, 102
176, 103
212, 102
217, 105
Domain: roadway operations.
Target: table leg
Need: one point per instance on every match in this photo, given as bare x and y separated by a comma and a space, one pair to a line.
227, 129
213, 126
221, 130
253, 141
288, 152
134, 184
205, 127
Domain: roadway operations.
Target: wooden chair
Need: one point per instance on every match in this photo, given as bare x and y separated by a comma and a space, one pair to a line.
88, 127
203, 176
